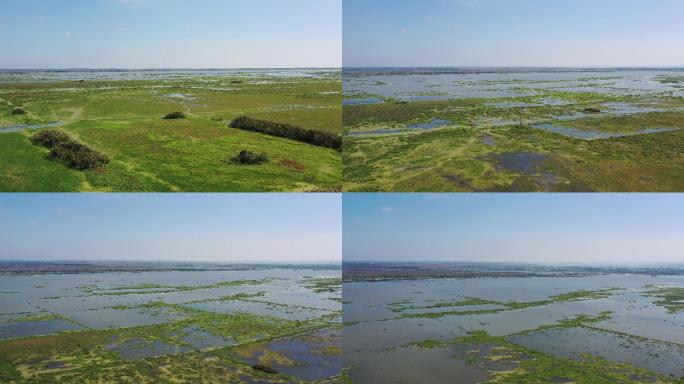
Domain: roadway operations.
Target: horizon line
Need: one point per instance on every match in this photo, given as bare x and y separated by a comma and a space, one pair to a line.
678, 66
155, 68
568, 263
170, 261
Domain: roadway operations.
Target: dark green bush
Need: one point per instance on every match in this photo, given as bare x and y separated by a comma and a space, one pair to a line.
174, 116
309, 136
249, 158
78, 156
50, 137
18, 111
265, 368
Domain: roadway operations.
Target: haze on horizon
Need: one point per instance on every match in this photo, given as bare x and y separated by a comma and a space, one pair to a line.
232, 227
142, 34
537, 228
521, 33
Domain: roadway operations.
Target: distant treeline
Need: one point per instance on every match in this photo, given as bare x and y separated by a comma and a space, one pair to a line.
74, 154
288, 131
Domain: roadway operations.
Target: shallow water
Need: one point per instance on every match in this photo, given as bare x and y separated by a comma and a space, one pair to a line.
444, 84
362, 101
15, 330
316, 356
89, 298
596, 135
376, 337
13, 75
24, 127
657, 356
425, 126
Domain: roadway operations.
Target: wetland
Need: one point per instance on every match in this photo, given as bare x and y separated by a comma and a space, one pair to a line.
532, 324
170, 323
452, 129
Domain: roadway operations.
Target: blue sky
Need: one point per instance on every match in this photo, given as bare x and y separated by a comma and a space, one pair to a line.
170, 33
554, 228
402, 33
185, 227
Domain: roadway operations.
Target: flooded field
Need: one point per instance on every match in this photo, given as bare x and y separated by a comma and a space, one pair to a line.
595, 327
252, 324
169, 130
600, 129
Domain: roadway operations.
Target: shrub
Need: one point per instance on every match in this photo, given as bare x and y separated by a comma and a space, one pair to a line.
50, 137
18, 111
249, 158
309, 136
591, 110
265, 368
174, 116
78, 156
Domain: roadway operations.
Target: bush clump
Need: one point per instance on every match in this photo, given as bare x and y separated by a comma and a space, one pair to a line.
50, 137
591, 110
288, 131
265, 368
174, 116
19, 111
78, 156
249, 158
74, 154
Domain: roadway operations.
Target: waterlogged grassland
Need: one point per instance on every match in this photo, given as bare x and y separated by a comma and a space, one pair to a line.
552, 141
621, 334
162, 336
123, 119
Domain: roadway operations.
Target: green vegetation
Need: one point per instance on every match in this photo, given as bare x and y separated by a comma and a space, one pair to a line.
174, 116
330, 284
310, 136
430, 343
122, 118
507, 305
249, 158
672, 298
74, 154
50, 138
156, 288
78, 156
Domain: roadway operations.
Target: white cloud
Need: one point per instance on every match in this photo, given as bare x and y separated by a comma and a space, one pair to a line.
386, 209
67, 34
403, 30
